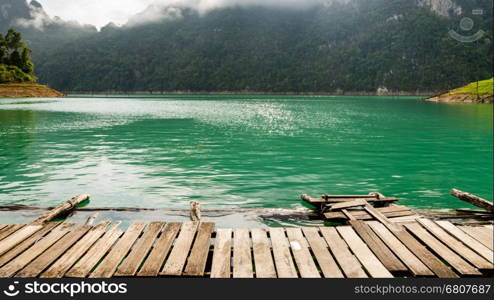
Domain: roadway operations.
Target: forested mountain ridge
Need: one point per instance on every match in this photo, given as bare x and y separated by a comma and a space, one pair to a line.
351, 45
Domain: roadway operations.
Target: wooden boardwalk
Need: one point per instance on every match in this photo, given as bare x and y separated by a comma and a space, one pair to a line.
420, 248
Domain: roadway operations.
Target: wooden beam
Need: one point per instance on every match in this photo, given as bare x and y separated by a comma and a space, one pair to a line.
348, 215
63, 208
346, 198
472, 199
354, 203
377, 214
361, 214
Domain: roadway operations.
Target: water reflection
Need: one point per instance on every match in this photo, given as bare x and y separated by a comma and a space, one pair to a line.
241, 151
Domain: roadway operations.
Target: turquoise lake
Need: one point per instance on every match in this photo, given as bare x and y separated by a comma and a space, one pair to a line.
242, 151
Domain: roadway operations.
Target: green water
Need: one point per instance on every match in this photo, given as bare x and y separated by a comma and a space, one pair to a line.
242, 151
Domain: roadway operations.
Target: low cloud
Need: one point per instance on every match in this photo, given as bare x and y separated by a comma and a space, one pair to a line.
160, 10
102, 12
39, 19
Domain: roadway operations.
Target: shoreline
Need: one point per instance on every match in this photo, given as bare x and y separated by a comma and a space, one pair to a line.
224, 217
460, 98
350, 93
28, 90
479, 92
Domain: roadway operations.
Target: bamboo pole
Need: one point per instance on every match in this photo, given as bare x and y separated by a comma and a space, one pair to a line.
65, 207
472, 199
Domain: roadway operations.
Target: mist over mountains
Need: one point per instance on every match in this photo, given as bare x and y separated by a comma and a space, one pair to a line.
263, 46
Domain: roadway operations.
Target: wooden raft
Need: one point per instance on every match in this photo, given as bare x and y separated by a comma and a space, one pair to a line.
196, 249
336, 208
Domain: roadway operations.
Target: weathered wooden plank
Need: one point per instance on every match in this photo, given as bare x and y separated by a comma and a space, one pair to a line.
414, 264
325, 260
467, 240
371, 263
32, 253
9, 255
9, 230
364, 215
82, 268
348, 204
155, 260
38, 265
263, 259
222, 254
455, 244
17, 237
404, 219
2, 226
482, 234
386, 256
242, 258
376, 214
349, 264
281, 253
429, 259
443, 251
348, 215
346, 198
109, 265
301, 254
175, 263
132, 262
196, 264
68, 259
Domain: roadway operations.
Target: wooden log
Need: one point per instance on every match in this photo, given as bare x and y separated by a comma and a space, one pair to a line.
91, 219
377, 195
472, 211
63, 208
472, 199
195, 211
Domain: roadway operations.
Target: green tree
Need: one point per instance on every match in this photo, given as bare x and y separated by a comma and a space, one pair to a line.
15, 59
25, 63
3, 49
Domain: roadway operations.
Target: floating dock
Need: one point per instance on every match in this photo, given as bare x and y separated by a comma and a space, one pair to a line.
422, 248
380, 239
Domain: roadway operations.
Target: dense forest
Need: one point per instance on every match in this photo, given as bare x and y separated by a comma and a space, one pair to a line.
15, 60
354, 45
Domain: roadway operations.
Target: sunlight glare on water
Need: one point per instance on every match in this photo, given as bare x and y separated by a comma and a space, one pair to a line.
241, 151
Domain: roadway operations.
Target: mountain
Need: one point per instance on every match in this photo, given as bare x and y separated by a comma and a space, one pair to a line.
11, 10
333, 46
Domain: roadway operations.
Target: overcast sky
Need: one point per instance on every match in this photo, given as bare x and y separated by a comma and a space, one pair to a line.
96, 12
101, 12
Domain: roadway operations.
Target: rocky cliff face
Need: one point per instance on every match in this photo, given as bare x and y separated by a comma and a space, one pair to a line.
22, 14
445, 8
11, 10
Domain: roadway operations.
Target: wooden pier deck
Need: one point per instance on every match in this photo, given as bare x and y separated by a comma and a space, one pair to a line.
419, 248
